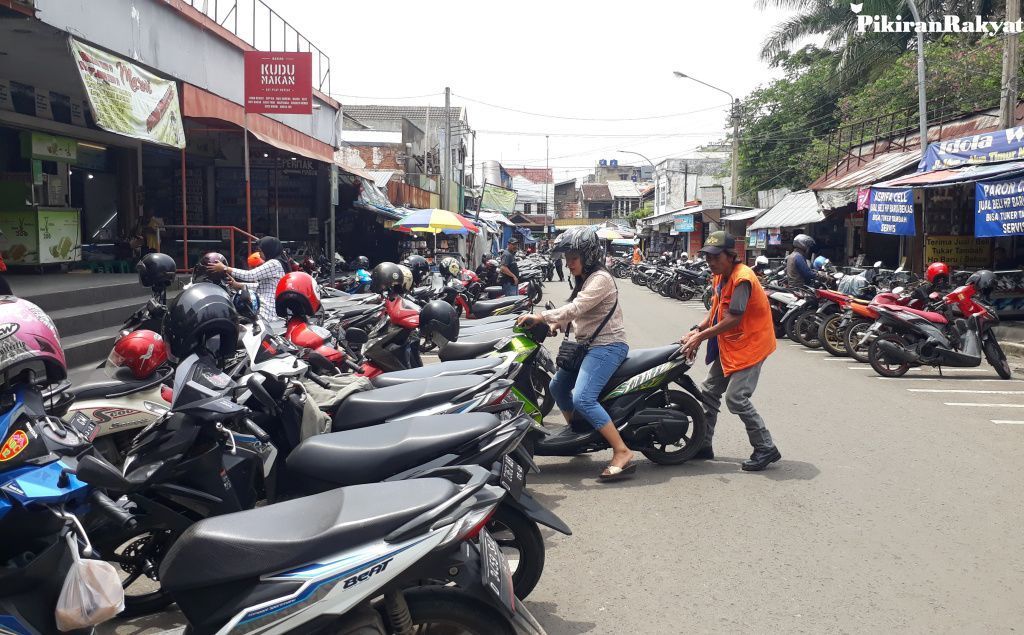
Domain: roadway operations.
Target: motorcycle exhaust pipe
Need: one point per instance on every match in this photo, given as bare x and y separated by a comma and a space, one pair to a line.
897, 352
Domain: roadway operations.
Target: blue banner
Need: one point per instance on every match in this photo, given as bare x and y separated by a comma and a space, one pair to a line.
991, 147
999, 208
891, 211
684, 224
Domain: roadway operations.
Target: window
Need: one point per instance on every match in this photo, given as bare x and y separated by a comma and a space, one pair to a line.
623, 176
526, 208
542, 208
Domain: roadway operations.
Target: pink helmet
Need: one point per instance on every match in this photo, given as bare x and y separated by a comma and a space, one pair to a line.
29, 342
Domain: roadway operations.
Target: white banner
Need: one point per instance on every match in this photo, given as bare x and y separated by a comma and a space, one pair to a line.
127, 99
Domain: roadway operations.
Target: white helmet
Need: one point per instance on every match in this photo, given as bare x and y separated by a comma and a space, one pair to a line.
761, 260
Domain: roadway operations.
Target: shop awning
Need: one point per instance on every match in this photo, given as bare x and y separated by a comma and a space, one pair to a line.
745, 215
794, 210
668, 217
952, 176
201, 104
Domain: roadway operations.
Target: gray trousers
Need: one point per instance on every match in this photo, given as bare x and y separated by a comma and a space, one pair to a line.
737, 389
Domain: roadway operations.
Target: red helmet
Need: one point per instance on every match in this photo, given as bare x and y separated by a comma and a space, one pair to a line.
309, 266
140, 351
255, 260
297, 294
937, 269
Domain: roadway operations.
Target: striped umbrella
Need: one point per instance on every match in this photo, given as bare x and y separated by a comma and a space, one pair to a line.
433, 221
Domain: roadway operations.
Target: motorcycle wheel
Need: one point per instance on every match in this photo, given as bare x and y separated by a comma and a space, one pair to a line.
136, 555
683, 293
665, 289
807, 330
638, 279
789, 325
995, 356
706, 298
878, 361
852, 337
693, 411
437, 609
831, 337
522, 545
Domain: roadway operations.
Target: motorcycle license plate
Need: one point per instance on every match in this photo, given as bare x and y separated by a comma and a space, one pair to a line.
513, 477
494, 571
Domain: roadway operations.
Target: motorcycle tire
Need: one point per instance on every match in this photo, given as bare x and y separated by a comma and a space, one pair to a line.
707, 297
436, 608
882, 366
694, 411
664, 290
639, 280
513, 531
995, 356
831, 337
807, 329
789, 325
683, 293
852, 335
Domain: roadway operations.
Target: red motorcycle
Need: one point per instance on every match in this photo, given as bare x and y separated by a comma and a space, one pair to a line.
960, 336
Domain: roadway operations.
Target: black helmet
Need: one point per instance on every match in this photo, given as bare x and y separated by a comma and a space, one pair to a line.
583, 241
201, 313
419, 266
984, 281
247, 304
156, 270
439, 322
386, 276
362, 262
804, 243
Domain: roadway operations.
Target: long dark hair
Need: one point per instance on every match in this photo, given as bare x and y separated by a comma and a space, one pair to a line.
578, 281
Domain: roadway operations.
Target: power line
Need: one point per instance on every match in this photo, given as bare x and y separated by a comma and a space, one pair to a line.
387, 98
568, 118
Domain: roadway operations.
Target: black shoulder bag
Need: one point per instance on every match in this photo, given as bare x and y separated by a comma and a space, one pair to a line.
570, 353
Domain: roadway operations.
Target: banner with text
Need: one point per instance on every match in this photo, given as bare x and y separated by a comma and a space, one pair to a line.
991, 147
891, 211
683, 224
127, 99
999, 208
497, 199
279, 83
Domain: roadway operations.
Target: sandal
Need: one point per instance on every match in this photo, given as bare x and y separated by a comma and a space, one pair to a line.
616, 473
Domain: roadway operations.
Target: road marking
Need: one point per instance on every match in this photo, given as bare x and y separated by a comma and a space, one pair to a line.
861, 367
986, 405
835, 359
952, 379
816, 350
978, 392
1008, 421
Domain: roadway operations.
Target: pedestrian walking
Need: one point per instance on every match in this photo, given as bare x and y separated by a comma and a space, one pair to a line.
556, 257
740, 336
509, 278
596, 315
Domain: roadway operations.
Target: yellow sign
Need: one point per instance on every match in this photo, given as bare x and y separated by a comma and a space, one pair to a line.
962, 251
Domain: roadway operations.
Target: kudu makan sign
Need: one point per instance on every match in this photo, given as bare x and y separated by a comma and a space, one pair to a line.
279, 83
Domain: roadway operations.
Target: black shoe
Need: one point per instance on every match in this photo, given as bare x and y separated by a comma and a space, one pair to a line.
761, 459
706, 453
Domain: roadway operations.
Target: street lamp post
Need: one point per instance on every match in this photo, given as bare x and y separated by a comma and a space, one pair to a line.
735, 130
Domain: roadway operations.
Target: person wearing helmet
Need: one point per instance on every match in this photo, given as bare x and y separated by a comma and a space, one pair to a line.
821, 263
509, 269
254, 260
797, 270
594, 312
266, 276
740, 336
761, 265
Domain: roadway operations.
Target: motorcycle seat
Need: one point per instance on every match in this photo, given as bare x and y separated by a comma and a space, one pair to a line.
486, 308
473, 347
375, 406
639, 360
373, 454
494, 319
477, 331
494, 292
444, 369
931, 316
350, 311
275, 538
100, 385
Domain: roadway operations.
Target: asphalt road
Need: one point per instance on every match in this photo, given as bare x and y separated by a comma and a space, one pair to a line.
896, 506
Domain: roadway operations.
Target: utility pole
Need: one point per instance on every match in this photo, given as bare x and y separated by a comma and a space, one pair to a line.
735, 150
1008, 95
922, 99
445, 198
686, 181
547, 171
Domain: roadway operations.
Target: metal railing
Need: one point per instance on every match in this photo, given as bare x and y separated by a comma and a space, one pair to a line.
187, 243
264, 29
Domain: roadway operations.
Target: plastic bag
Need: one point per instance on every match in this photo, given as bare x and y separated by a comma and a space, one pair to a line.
92, 594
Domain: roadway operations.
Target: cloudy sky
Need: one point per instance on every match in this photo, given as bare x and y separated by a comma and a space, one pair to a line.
599, 73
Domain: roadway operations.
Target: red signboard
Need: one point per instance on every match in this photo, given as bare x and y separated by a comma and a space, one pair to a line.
279, 83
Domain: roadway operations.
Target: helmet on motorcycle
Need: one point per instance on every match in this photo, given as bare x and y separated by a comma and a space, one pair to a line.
820, 263
297, 294
29, 342
491, 264
254, 260
156, 270
387, 276
246, 303
580, 241
449, 267
199, 317
309, 266
937, 270
407, 279
141, 352
804, 243
439, 322
984, 281
761, 261
362, 262
684, 256
419, 266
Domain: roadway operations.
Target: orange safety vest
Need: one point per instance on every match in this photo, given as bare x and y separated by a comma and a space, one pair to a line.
637, 258
754, 339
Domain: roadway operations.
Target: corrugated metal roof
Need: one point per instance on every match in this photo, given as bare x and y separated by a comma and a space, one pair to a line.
623, 189
667, 217
416, 114
874, 170
595, 192
956, 175
796, 209
381, 177
746, 214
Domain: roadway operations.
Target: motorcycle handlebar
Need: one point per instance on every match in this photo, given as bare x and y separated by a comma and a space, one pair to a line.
112, 510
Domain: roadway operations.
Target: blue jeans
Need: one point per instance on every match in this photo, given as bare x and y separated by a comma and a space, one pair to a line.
578, 392
510, 289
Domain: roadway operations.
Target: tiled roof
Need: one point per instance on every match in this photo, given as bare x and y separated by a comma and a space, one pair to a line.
595, 192
417, 114
623, 189
534, 175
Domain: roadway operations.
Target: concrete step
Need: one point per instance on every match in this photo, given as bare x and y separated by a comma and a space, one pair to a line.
90, 347
97, 315
93, 289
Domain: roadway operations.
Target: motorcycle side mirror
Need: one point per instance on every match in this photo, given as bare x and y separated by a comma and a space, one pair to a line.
356, 336
101, 474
